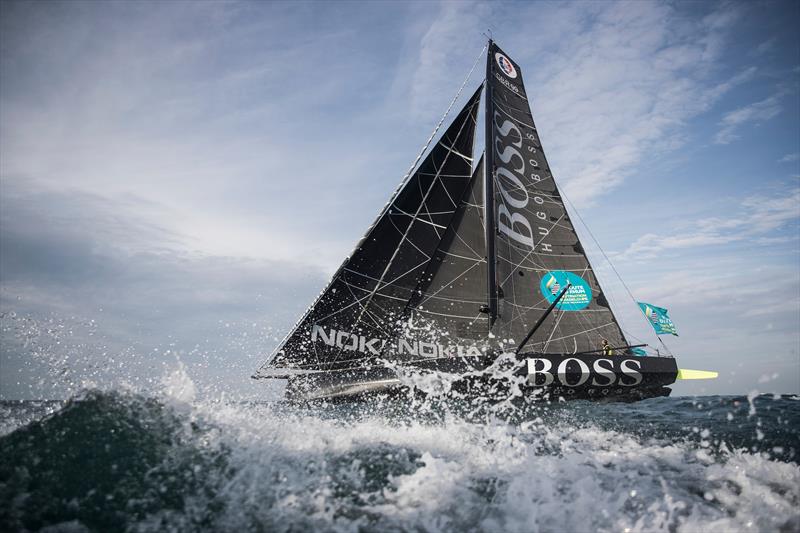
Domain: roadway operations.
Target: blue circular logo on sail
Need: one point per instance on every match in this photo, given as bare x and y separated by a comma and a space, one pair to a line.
577, 297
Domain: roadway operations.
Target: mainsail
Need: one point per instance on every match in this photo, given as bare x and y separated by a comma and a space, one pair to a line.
367, 302
537, 249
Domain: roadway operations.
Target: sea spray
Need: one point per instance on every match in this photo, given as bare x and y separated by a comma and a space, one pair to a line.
116, 461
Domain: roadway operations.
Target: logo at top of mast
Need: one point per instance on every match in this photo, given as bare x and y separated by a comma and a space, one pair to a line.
506, 65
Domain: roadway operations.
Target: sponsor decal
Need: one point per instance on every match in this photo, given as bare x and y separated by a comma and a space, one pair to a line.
602, 373
505, 65
577, 297
351, 342
510, 86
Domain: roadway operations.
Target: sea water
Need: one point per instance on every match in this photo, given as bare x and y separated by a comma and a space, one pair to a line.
127, 460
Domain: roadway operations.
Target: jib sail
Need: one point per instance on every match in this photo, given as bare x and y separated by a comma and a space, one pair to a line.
364, 305
537, 251
444, 316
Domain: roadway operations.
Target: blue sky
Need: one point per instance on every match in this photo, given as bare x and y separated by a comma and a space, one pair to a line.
178, 180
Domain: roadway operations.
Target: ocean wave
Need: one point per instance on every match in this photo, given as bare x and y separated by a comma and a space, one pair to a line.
125, 461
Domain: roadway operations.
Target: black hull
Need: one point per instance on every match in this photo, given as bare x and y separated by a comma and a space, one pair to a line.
547, 376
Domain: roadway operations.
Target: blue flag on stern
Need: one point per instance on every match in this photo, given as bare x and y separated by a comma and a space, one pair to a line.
658, 318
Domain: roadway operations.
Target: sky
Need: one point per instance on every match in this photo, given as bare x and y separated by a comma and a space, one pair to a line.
179, 180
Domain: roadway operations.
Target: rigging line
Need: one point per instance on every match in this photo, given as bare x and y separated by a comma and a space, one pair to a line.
400, 211
533, 250
585, 331
439, 125
411, 242
500, 107
422, 204
386, 207
459, 256
619, 277
451, 150
304, 316
434, 224
613, 303
555, 327
580, 317
448, 315
446, 285
477, 257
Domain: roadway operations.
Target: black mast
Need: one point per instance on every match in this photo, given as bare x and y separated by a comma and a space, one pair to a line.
489, 195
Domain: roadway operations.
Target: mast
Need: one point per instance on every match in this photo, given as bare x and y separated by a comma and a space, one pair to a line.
488, 194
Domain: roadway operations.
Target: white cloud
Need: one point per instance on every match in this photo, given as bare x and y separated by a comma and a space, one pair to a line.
445, 53
610, 83
756, 112
789, 158
755, 218
619, 85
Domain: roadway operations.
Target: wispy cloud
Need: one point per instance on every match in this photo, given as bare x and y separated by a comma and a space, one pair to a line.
764, 47
755, 217
611, 83
789, 158
755, 113
622, 87
445, 52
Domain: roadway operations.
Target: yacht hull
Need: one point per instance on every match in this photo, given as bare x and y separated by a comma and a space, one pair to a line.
552, 376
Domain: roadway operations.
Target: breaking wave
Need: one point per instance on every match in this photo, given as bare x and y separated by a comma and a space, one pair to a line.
122, 461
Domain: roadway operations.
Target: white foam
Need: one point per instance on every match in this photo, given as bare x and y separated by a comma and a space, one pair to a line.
300, 469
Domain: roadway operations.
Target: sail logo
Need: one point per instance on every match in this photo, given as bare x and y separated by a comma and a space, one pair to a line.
577, 297
515, 198
351, 342
348, 342
540, 372
506, 65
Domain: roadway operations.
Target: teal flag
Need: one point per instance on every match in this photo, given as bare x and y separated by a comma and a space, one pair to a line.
638, 351
658, 318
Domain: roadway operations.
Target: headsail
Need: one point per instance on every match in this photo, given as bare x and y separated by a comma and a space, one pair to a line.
445, 309
537, 248
357, 314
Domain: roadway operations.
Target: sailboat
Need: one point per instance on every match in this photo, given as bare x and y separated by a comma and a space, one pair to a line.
469, 264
